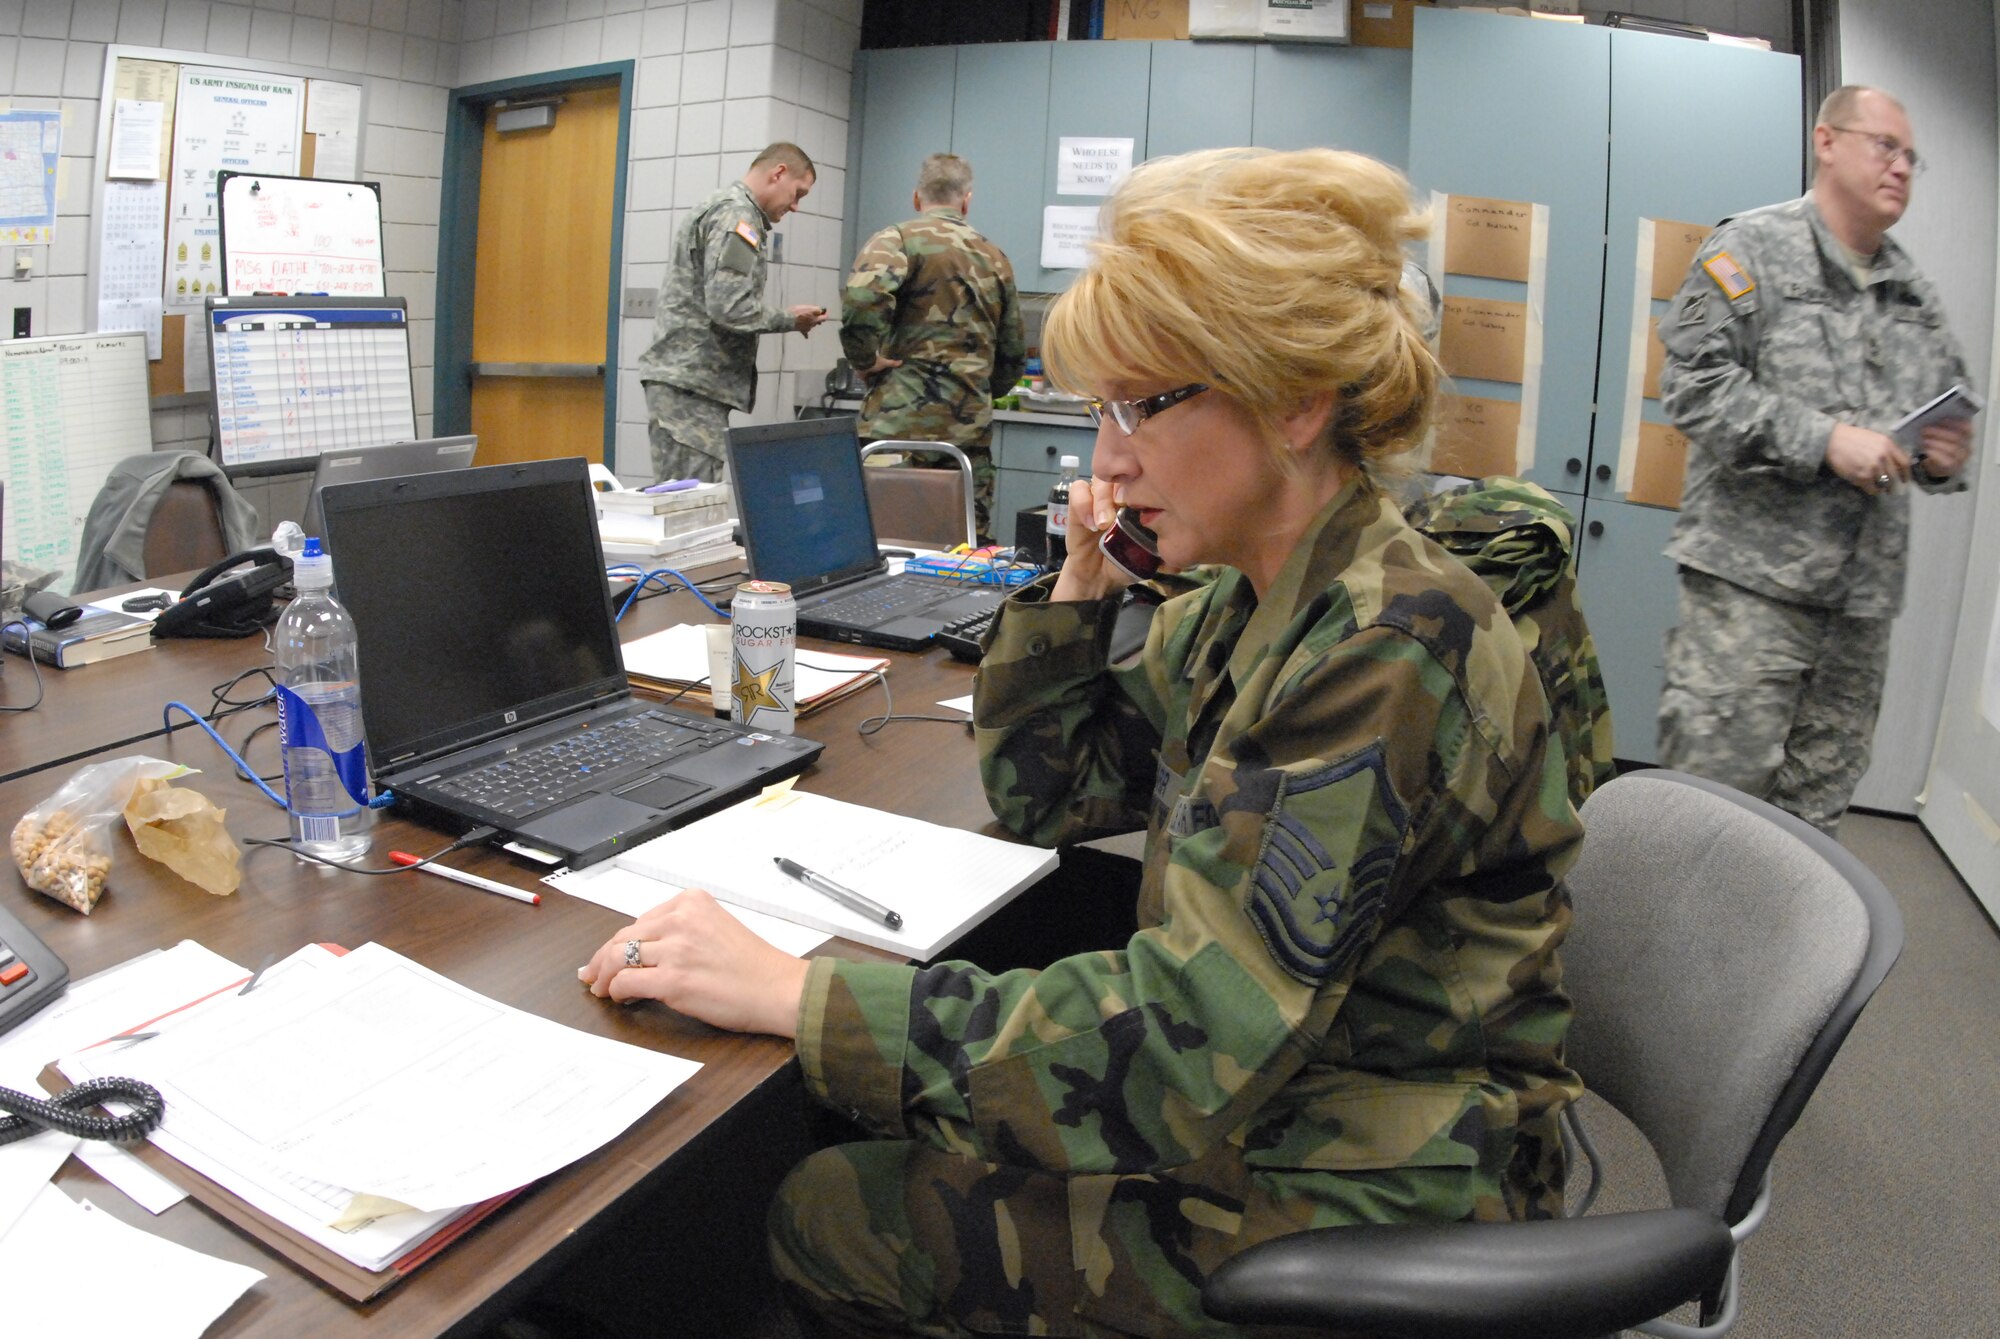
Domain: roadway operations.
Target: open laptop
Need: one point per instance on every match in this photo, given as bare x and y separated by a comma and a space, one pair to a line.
493, 691
425, 455
804, 509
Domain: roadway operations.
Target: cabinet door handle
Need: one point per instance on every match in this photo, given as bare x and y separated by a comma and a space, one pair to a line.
1596, 528
1604, 474
1572, 466
1049, 451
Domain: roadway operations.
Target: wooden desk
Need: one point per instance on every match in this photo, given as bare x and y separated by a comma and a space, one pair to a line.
114, 703
522, 955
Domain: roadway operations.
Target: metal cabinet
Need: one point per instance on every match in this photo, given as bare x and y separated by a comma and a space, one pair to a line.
1027, 458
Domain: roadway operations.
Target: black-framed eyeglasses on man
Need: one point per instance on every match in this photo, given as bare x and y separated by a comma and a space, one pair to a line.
1887, 148
1129, 414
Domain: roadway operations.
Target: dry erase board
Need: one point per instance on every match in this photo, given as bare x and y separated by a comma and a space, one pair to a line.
71, 407
297, 376
300, 235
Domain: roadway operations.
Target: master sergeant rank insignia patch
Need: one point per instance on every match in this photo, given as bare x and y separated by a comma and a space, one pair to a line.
1731, 278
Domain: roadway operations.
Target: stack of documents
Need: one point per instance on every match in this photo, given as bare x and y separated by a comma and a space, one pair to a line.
355, 1111
942, 881
675, 662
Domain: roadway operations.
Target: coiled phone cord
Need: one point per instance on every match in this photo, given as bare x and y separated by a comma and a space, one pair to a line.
70, 1112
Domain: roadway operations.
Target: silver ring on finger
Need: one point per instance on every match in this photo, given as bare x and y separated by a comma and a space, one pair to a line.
1882, 481
632, 953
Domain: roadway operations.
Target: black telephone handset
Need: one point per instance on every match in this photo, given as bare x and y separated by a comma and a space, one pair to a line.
1131, 547
844, 383
224, 602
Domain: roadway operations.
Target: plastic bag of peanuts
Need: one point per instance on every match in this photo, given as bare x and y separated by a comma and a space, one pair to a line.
63, 845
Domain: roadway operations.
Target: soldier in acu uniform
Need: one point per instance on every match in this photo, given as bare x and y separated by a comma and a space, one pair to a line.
1801, 333
703, 359
1341, 1000
932, 320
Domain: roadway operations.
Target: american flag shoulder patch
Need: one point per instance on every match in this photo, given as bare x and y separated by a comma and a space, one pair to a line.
1731, 278
749, 234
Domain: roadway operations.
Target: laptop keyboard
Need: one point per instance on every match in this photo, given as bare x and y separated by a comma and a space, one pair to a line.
865, 608
533, 779
962, 635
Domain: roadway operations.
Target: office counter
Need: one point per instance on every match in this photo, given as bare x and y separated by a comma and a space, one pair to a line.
523, 955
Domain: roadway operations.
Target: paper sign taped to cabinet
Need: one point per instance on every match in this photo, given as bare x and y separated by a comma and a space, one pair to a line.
1484, 338
1656, 359
1477, 437
1491, 238
1674, 248
1661, 466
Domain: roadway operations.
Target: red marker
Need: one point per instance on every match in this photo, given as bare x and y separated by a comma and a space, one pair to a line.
460, 876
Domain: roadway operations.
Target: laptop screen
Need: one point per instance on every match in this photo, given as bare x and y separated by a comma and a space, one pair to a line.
800, 497
478, 600
420, 456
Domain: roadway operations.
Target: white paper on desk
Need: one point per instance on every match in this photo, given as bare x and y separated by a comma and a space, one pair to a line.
116, 604
66, 1260
117, 1000
941, 880
680, 655
633, 894
963, 704
374, 1073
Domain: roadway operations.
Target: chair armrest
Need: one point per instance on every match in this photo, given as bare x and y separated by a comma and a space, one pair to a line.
1564, 1278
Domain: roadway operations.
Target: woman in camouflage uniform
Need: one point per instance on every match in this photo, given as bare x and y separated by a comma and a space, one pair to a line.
1342, 1001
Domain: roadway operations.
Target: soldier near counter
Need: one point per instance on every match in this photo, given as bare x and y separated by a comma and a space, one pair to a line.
931, 319
1801, 333
703, 359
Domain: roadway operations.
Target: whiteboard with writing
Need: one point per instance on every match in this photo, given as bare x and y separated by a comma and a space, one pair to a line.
300, 235
71, 407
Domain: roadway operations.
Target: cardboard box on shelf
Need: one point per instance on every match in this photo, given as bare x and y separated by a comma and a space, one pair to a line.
1304, 20
1384, 23
1146, 20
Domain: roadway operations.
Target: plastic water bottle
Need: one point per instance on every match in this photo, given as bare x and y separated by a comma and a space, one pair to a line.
319, 716
1059, 513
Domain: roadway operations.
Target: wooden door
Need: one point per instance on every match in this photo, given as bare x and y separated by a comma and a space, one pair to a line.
542, 283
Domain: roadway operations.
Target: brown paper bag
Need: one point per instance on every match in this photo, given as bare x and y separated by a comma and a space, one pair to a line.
183, 831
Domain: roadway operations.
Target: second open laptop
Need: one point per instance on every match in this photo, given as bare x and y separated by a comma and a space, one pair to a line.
493, 690
425, 455
804, 508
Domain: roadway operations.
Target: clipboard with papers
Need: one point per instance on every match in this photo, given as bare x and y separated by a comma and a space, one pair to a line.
350, 1069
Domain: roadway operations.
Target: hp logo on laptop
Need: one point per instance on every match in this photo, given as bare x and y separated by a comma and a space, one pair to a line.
510, 717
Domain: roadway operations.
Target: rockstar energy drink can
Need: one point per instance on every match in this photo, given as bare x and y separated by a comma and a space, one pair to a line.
764, 636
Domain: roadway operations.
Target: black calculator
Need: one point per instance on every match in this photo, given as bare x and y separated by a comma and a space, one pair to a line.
31, 974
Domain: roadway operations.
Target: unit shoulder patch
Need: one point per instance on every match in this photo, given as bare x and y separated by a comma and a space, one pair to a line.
1731, 278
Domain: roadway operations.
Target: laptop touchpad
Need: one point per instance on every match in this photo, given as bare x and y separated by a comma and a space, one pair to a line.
664, 792
592, 819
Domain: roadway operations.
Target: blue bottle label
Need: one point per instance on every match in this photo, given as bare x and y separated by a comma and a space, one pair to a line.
299, 726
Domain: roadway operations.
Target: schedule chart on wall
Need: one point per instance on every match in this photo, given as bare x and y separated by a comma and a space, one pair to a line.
294, 377
70, 408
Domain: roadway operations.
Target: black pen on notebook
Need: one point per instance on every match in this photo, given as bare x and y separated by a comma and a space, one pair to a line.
839, 892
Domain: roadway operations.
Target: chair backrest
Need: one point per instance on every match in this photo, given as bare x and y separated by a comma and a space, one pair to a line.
185, 533
931, 507
1722, 949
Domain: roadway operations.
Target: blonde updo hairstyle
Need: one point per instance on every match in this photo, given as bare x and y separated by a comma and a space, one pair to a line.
1272, 276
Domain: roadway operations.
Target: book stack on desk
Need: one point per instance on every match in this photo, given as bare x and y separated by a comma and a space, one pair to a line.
101, 634
681, 528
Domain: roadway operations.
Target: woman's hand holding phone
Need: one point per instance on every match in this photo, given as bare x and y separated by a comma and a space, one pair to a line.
1085, 574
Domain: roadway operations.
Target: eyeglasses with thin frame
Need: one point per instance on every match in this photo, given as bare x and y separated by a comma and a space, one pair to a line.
1887, 148
1129, 414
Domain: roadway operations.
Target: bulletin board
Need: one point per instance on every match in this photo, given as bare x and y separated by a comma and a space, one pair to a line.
171, 123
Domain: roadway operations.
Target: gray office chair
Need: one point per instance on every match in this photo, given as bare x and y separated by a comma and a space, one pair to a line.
1722, 950
931, 507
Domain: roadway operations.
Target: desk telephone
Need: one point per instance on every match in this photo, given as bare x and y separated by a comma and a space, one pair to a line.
223, 602
844, 383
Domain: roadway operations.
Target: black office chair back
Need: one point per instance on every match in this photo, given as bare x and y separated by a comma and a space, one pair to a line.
1722, 949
